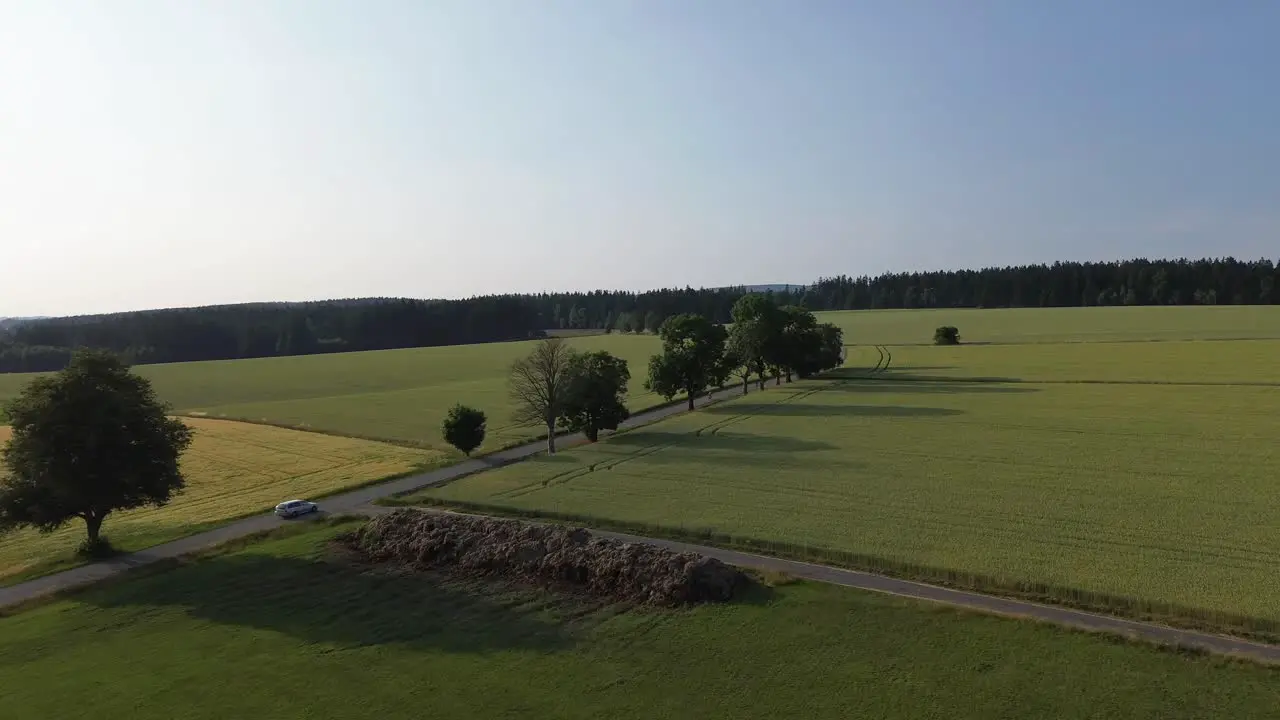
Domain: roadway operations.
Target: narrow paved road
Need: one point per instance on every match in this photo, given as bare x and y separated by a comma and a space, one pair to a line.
359, 501
352, 502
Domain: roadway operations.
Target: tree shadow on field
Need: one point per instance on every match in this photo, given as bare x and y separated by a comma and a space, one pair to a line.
334, 600
912, 374
738, 447
926, 385
831, 410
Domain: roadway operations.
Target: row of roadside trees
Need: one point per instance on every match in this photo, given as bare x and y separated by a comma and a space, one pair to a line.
93, 438
557, 387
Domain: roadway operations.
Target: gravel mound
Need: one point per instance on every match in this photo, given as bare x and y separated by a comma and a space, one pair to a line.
545, 554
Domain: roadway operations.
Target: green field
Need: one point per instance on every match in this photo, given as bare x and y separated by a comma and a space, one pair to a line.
232, 470
1124, 486
402, 395
284, 629
1062, 325
1242, 363
389, 394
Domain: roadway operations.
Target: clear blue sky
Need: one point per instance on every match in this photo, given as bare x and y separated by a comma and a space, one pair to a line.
178, 153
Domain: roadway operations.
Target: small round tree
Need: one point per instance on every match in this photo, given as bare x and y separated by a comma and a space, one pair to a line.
946, 335
464, 428
87, 441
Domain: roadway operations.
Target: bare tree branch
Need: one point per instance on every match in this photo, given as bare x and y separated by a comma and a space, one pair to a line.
537, 385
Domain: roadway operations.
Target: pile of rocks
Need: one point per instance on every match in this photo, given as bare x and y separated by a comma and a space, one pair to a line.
546, 554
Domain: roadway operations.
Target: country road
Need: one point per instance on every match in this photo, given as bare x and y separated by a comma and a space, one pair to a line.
356, 501
360, 502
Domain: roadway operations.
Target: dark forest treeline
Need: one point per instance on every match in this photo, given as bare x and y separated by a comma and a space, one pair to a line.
1224, 281
268, 329
271, 329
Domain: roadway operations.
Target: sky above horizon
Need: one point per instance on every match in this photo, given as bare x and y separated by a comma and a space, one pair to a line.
158, 154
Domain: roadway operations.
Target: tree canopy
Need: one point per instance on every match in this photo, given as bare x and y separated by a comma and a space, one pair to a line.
946, 335
464, 428
87, 441
757, 326
538, 384
692, 357
596, 394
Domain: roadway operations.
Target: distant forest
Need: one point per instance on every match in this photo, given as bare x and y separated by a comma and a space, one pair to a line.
272, 329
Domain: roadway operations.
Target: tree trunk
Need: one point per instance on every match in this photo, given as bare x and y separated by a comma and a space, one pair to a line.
692, 395
777, 379
93, 524
745, 385
551, 438
592, 432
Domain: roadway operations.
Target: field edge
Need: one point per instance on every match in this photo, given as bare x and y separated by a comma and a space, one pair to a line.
1163, 613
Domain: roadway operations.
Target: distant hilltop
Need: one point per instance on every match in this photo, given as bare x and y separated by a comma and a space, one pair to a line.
12, 322
776, 287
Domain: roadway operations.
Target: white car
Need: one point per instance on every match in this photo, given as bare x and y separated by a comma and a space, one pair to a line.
294, 508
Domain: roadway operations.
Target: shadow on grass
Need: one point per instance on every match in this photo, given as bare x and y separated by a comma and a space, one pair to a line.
911, 374
741, 445
336, 602
831, 410
902, 385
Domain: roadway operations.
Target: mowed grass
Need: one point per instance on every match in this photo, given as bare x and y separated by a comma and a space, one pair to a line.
1165, 493
1248, 362
232, 469
399, 395
1057, 325
402, 395
284, 629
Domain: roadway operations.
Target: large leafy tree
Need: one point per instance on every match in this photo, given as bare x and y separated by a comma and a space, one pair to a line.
692, 357
594, 399
87, 441
539, 384
733, 362
464, 428
831, 344
756, 333
798, 342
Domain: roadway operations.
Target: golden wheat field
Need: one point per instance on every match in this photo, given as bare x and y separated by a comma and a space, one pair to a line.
233, 469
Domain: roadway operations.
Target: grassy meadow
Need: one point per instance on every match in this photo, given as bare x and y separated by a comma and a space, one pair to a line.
285, 629
1084, 469
402, 395
1061, 325
233, 469
397, 395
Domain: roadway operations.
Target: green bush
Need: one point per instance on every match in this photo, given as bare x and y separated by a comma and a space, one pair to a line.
464, 428
946, 335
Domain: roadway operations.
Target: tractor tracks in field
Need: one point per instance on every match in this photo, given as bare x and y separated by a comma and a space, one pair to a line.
884, 360
711, 429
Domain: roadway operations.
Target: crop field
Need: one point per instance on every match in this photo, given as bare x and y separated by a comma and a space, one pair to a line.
1123, 486
397, 395
1062, 325
402, 395
285, 629
1242, 363
233, 469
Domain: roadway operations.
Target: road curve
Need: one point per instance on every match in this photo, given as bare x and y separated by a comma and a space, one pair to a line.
359, 501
